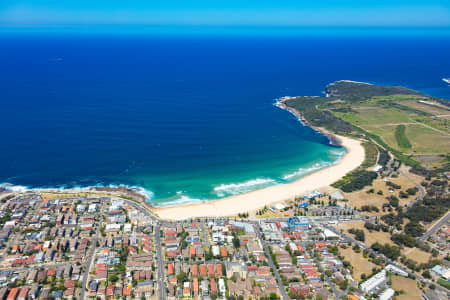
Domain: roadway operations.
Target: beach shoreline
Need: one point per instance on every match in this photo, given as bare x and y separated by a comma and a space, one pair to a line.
254, 200
249, 201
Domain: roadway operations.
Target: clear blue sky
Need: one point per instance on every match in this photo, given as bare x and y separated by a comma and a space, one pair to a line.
41, 13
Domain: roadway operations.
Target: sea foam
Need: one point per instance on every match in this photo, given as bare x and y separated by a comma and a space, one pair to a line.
243, 187
21, 188
181, 199
14, 188
300, 172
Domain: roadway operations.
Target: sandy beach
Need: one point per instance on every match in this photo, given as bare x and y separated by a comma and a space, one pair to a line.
251, 201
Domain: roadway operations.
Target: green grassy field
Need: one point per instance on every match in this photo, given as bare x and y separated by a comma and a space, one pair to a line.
409, 124
405, 124
400, 137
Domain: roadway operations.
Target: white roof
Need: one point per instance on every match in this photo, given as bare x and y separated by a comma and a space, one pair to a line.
10, 223
395, 270
374, 281
278, 206
337, 195
112, 226
387, 294
329, 234
377, 168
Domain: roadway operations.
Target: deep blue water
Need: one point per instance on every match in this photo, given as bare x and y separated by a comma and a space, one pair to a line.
186, 117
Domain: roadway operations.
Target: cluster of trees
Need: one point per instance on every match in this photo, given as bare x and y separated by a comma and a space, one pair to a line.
403, 195
308, 106
183, 235
393, 201
243, 215
392, 219
261, 211
414, 229
393, 185
384, 157
392, 252
413, 265
356, 181
412, 191
331, 202
358, 233
354, 92
404, 239
236, 241
430, 208
376, 227
369, 208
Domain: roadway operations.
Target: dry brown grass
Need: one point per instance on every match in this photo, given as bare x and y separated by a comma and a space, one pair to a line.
416, 254
360, 264
56, 195
408, 286
371, 237
360, 198
50, 195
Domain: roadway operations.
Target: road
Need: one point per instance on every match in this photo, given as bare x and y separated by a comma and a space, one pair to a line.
445, 219
338, 294
205, 234
159, 256
284, 295
88, 265
161, 280
422, 191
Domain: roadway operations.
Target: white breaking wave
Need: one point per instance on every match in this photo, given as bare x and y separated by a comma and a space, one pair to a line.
14, 188
243, 187
338, 153
138, 189
21, 188
181, 200
307, 170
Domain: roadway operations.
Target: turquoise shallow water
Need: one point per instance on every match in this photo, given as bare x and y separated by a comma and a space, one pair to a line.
187, 118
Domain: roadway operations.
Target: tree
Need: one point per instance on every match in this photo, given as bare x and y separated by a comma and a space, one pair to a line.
414, 229
426, 274
236, 242
359, 234
181, 277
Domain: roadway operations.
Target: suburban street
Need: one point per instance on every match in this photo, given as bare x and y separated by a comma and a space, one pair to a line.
433, 229
283, 293
159, 257
88, 265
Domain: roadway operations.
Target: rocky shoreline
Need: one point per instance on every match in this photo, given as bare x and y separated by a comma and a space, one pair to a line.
334, 140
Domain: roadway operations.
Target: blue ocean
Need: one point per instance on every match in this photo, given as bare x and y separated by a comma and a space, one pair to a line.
187, 117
